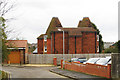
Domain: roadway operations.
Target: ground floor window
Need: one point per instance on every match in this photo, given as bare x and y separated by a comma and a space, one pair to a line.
45, 48
98, 49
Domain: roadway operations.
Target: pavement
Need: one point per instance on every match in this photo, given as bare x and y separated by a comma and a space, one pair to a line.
44, 71
76, 75
28, 73
28, 65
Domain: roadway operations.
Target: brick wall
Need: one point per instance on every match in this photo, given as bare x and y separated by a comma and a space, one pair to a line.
74, 45
88, 42
53, 34
49, 46
71, 45
78, 45
93, 69
66, 43
84, 44
57, 43
40, 46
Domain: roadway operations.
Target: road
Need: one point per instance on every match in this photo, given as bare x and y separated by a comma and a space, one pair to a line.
32, 72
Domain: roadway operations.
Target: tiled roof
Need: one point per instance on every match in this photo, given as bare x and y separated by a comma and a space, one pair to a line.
53, 24
83, 26
76, 31
41, 36
85, 22
17, 43
73, 31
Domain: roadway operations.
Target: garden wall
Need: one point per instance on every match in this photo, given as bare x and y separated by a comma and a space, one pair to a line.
93, 69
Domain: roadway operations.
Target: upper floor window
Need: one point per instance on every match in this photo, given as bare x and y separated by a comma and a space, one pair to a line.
97, 37
45, 37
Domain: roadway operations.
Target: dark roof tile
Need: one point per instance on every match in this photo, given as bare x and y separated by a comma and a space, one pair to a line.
53, 24
76, 31
41, 36
85, 22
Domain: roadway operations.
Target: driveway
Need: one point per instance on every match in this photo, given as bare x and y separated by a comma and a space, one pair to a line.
32, 72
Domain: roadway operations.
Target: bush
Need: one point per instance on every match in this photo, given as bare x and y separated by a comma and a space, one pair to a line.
3, 75
115, 48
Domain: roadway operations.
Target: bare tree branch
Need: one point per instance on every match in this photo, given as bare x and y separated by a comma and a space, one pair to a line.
5, 7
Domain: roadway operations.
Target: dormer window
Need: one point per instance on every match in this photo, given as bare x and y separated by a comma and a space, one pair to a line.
45, 37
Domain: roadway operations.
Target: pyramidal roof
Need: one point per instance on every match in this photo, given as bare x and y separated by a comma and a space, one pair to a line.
53, 24
85, 22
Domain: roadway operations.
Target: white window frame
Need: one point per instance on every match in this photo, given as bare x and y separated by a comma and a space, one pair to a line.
98, 49
45, 48
45, 37
97, 37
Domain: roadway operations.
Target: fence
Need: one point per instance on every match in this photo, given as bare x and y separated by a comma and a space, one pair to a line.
48, 58
93, 69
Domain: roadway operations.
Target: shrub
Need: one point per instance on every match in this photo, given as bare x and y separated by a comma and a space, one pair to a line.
3, 75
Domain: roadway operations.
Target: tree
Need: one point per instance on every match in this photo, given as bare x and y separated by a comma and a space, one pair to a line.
101, 43
115, 48
118, 45
5, 7
31, 47
3, 39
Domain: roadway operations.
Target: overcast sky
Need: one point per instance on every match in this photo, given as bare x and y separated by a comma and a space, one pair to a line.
32, 17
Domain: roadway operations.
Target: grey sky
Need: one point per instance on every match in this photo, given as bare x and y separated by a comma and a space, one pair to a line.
32, 17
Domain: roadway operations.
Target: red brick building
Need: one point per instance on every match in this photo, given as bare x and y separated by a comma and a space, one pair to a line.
80, 40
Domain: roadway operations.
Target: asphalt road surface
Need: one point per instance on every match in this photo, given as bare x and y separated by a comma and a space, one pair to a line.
33, 72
